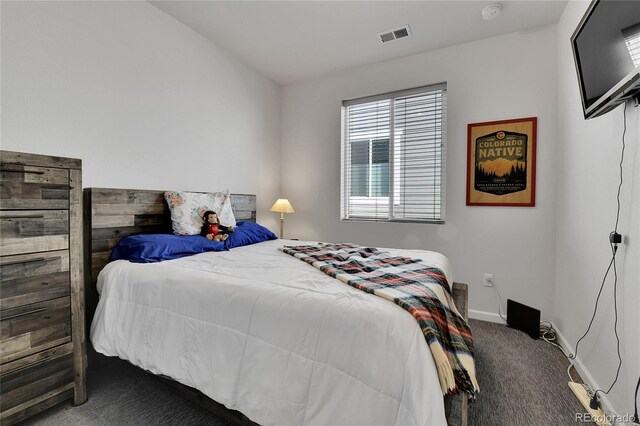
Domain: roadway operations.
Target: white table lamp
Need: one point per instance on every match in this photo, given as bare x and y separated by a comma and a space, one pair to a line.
282, 206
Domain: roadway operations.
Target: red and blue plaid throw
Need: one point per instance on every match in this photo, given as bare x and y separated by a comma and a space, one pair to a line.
421, 290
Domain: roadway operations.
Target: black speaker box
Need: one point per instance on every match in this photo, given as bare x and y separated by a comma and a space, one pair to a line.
523, 317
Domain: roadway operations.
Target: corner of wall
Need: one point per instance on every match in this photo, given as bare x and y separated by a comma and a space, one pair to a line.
588, 155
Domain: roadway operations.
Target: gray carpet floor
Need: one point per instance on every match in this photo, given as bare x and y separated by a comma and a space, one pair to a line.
523, 382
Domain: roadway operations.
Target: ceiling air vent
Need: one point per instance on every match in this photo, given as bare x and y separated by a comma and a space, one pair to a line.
395, 34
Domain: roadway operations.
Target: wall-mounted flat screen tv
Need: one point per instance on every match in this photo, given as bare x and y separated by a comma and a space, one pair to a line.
606, 49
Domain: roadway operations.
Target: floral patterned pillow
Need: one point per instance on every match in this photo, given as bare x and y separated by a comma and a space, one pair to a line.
187, 209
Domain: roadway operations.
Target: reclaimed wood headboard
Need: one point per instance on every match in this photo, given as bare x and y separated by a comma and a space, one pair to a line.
112, 214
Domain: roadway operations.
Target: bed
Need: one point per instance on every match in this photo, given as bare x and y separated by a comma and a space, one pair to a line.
285, 345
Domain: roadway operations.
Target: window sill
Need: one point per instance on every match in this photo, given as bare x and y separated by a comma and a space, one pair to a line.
426, 222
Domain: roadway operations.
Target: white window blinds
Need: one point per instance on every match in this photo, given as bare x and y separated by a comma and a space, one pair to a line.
632, 39
393, 156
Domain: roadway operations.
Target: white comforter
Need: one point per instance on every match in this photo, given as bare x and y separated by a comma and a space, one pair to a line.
271, 336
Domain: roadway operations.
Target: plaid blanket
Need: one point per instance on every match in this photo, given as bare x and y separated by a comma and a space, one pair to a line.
421, 290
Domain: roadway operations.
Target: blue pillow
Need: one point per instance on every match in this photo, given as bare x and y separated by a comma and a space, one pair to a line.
246, 233
149, 248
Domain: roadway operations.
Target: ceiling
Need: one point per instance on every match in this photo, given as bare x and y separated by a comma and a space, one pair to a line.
291, 41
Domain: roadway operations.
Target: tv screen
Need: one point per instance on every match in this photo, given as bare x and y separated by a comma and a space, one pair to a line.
606, 48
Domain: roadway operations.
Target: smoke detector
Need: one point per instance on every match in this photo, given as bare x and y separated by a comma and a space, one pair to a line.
394, 34
491, 12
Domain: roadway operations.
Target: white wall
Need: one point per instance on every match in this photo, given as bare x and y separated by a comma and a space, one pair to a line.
505, 77
148, 103
587, 182
143, 100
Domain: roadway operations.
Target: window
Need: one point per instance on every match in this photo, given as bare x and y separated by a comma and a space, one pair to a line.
393, 156
632, 40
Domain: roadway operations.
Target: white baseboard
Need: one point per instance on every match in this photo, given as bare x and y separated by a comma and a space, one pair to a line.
485, 316
584, 372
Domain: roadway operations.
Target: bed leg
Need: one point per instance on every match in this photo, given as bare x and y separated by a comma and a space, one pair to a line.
457, 406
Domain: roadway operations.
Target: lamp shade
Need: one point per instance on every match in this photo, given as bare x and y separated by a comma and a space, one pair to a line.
282, 206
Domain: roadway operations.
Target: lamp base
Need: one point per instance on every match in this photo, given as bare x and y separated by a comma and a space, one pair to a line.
281, 225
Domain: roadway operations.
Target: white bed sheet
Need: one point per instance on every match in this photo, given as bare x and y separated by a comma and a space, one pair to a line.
271, 336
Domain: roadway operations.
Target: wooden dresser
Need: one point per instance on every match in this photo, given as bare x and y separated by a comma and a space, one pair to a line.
42, 340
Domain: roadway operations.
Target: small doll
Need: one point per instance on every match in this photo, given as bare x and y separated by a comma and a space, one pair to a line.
212, 229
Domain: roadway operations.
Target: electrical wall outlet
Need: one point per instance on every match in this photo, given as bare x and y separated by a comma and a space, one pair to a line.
488, 280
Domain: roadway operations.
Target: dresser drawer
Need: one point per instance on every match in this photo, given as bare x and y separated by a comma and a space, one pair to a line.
30, 187
35, 277
33, 231
40, 377
42, 330
28, 329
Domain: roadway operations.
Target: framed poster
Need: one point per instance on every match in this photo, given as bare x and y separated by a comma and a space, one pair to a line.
501, 163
